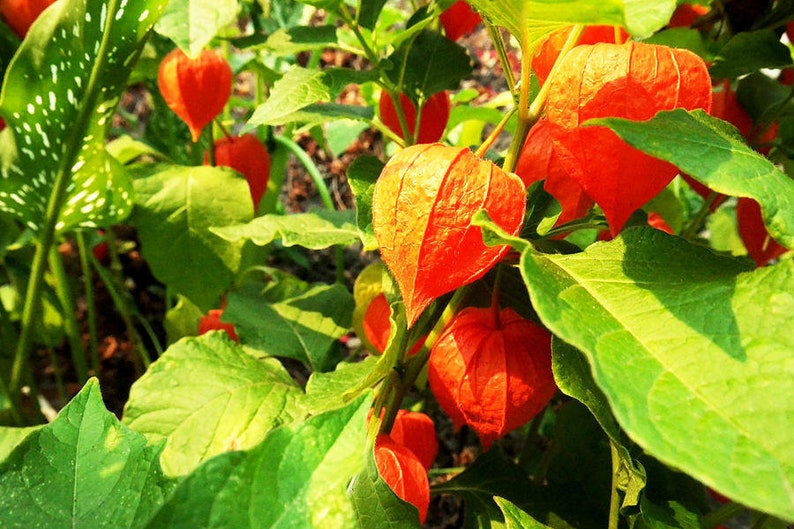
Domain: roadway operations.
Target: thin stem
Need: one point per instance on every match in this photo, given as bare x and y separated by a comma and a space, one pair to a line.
614, 499
483, 148
322, 190
56, 371
66, 300
54, 204
696, 224
88, 287
501, 52
120, 299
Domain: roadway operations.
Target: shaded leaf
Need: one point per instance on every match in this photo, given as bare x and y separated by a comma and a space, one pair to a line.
59, 94
297, 477
297, 39
84, 469
304, 324
192, 24
316, 230
714, 153
206, 396
748, 52
174, 212
429, 63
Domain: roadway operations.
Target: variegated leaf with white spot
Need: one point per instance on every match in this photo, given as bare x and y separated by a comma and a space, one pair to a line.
59, 94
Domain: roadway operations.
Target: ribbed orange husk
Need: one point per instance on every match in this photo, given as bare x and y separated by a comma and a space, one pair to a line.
538, 162
195, 89
549, 48
416, 431
422, 208
249, 157
633, 81
491, 372
20, 14
403, 472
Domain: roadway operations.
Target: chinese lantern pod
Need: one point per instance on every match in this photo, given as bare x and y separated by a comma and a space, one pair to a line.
20, 14
212, 322
403, 472
249, 157
492, 371
458, 20
761, 247
376, 322
546, 54
537, 161
416, 431
422, 208
432, 122
632, 81
196, 89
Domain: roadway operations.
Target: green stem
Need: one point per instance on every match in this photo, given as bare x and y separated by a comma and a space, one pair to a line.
16, 416
696, 224
614, 499
56, 371
322, 190
501, 52
30, 313
121, 299
66, 300
88, 287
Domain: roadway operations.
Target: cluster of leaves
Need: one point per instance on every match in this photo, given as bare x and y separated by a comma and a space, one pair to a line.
673, 353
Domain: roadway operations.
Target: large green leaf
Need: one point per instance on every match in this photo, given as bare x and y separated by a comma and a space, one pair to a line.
530, 20
714, 153
693, 351
296, 478
205, 396
59, 94
11, 437
192, 24
304, 323
429, 63
84, 469
515, 518
301, 87
362, 175
316, 230
328, 391
174, 211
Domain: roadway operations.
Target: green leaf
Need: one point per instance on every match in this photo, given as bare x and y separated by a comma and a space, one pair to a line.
531, 20
328, 391
670, 515
686, 346
432, 63
316, 230
174, 211
362, 175
748, 52
369, 12
376, 505
125, 149
59, 94
320, 113
84, 469
192, 24
11, 437
305, 325
297, 39
490, 475
714, 153
206, 396
297, 477
515, 518
301, 87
